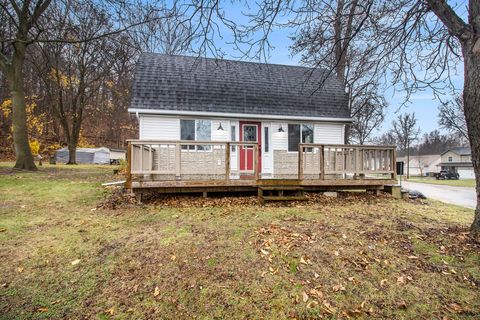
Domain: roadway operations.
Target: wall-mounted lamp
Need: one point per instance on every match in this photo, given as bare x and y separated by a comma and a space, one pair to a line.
281, 129
220, 128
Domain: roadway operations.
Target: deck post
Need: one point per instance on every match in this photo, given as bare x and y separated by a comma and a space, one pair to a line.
300, 162
394, 164
255, 161
128, 182
227, 161
322, 163
178, 160
150, 158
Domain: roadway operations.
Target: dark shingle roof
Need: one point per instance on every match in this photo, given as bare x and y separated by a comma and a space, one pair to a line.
165, 82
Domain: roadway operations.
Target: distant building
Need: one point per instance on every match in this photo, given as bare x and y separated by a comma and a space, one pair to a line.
424, 165
92, 155
458, 160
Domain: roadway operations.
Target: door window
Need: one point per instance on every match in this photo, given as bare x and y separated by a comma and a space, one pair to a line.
250, 133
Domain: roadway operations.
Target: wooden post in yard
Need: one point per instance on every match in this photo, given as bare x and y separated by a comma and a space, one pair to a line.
300, 162
227, 161
128, 183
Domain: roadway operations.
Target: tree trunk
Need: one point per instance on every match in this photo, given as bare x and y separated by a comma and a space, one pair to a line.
72, 152
23, 154
471, 99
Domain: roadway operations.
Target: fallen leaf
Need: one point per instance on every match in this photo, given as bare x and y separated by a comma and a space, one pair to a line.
312, 304
455, 307
3, 229
351, 279
336, 253
402, 305
304, 261
412, 257
304, 296
316, 293
383, 282
265, 252
20, 269
111, 311
338, 287
401, 279
328, 307
42, 309
156, 292
316, 275
173, 257
75, 262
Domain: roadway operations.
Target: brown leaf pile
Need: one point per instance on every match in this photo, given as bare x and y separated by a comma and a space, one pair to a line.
118, 198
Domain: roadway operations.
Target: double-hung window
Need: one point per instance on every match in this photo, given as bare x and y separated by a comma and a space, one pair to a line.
196, 130
299, 133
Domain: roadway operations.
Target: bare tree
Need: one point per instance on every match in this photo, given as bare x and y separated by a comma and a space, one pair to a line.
334, 35
421, 43
406, 132
370, 113
452, 117
29, 22
18, 20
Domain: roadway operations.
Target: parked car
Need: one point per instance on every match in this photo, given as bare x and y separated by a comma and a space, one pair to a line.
447, 175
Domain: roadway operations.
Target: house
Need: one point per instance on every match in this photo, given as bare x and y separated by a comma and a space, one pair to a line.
458, 160
422, 165
85, 155
207, 120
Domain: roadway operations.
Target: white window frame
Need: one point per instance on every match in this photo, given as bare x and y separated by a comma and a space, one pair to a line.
300, 136
210, 149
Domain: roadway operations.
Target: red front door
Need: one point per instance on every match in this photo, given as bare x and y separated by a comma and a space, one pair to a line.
250, 132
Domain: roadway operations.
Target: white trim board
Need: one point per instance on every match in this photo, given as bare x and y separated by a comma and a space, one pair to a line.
234, 115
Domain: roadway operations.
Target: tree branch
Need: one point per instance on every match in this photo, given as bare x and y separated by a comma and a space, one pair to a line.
455, 25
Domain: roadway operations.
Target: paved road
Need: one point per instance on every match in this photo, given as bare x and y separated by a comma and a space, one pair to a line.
462, 196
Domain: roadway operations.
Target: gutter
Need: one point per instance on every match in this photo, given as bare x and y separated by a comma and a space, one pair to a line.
224, 115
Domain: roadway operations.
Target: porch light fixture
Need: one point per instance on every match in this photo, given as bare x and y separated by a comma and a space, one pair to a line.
220, 128
280, 129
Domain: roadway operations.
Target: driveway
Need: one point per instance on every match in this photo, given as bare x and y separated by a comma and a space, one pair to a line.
461, 196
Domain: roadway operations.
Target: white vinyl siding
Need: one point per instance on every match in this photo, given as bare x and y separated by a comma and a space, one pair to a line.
329, 133
221, 135
168, 128
279, 139
160, 128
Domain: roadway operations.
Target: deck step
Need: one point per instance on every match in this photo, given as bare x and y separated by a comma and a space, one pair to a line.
284, 198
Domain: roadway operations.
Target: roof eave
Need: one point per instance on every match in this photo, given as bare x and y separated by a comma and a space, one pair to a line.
138, 111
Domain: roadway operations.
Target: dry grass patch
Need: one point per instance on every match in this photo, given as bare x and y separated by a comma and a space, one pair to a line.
357, 256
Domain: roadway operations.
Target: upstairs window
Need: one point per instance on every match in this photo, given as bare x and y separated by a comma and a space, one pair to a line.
299, 133
196, 130
450, 159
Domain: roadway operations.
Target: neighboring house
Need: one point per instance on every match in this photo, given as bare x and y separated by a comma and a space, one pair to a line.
179, 98
424, 165
85, 155
458, 160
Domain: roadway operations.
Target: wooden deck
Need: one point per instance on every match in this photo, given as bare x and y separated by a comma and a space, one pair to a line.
192, 166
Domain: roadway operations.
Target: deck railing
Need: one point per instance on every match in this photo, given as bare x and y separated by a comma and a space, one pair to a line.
218, 160
319, 160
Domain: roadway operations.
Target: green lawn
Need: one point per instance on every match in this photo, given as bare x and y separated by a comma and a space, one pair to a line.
456, 183
357, 256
